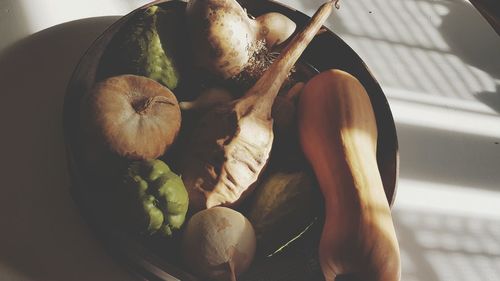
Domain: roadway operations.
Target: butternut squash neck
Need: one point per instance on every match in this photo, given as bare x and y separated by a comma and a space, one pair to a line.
338, 134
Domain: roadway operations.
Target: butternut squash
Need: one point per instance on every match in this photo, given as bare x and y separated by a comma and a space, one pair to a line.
338, 135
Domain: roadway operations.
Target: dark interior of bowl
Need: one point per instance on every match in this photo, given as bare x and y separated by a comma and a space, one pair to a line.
156, 259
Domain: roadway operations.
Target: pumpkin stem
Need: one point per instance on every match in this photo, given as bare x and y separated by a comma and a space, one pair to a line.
144, 105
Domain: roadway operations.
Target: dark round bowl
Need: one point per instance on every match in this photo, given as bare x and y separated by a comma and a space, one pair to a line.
146, 258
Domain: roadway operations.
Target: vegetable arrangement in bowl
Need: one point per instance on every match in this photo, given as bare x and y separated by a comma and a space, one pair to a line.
206, 139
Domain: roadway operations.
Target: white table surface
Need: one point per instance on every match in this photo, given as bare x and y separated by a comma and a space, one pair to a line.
438, 62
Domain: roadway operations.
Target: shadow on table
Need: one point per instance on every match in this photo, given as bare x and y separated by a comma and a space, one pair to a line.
13, 22
441, 246
436, 48
479, 48
448, 156
463, 28
42, 235
492, 99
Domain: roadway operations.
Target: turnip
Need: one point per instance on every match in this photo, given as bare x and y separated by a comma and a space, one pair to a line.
224, 37
218, 243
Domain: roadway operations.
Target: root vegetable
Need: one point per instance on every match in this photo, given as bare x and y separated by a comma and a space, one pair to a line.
274, 28
207, 99
132, 116
224, 38
284, 110
338, 134
231, 145
218, 243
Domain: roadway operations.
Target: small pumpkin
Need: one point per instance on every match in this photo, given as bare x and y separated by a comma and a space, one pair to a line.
131, 116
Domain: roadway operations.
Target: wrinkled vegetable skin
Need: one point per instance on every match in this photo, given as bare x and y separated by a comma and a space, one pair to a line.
230, 148
220, 35
158, 199
243, 141
144, 46
154, 61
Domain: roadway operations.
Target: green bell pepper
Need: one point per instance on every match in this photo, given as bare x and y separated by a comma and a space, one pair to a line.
159, 198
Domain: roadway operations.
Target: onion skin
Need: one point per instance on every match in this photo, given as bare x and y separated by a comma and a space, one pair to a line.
131, 116
218, 243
